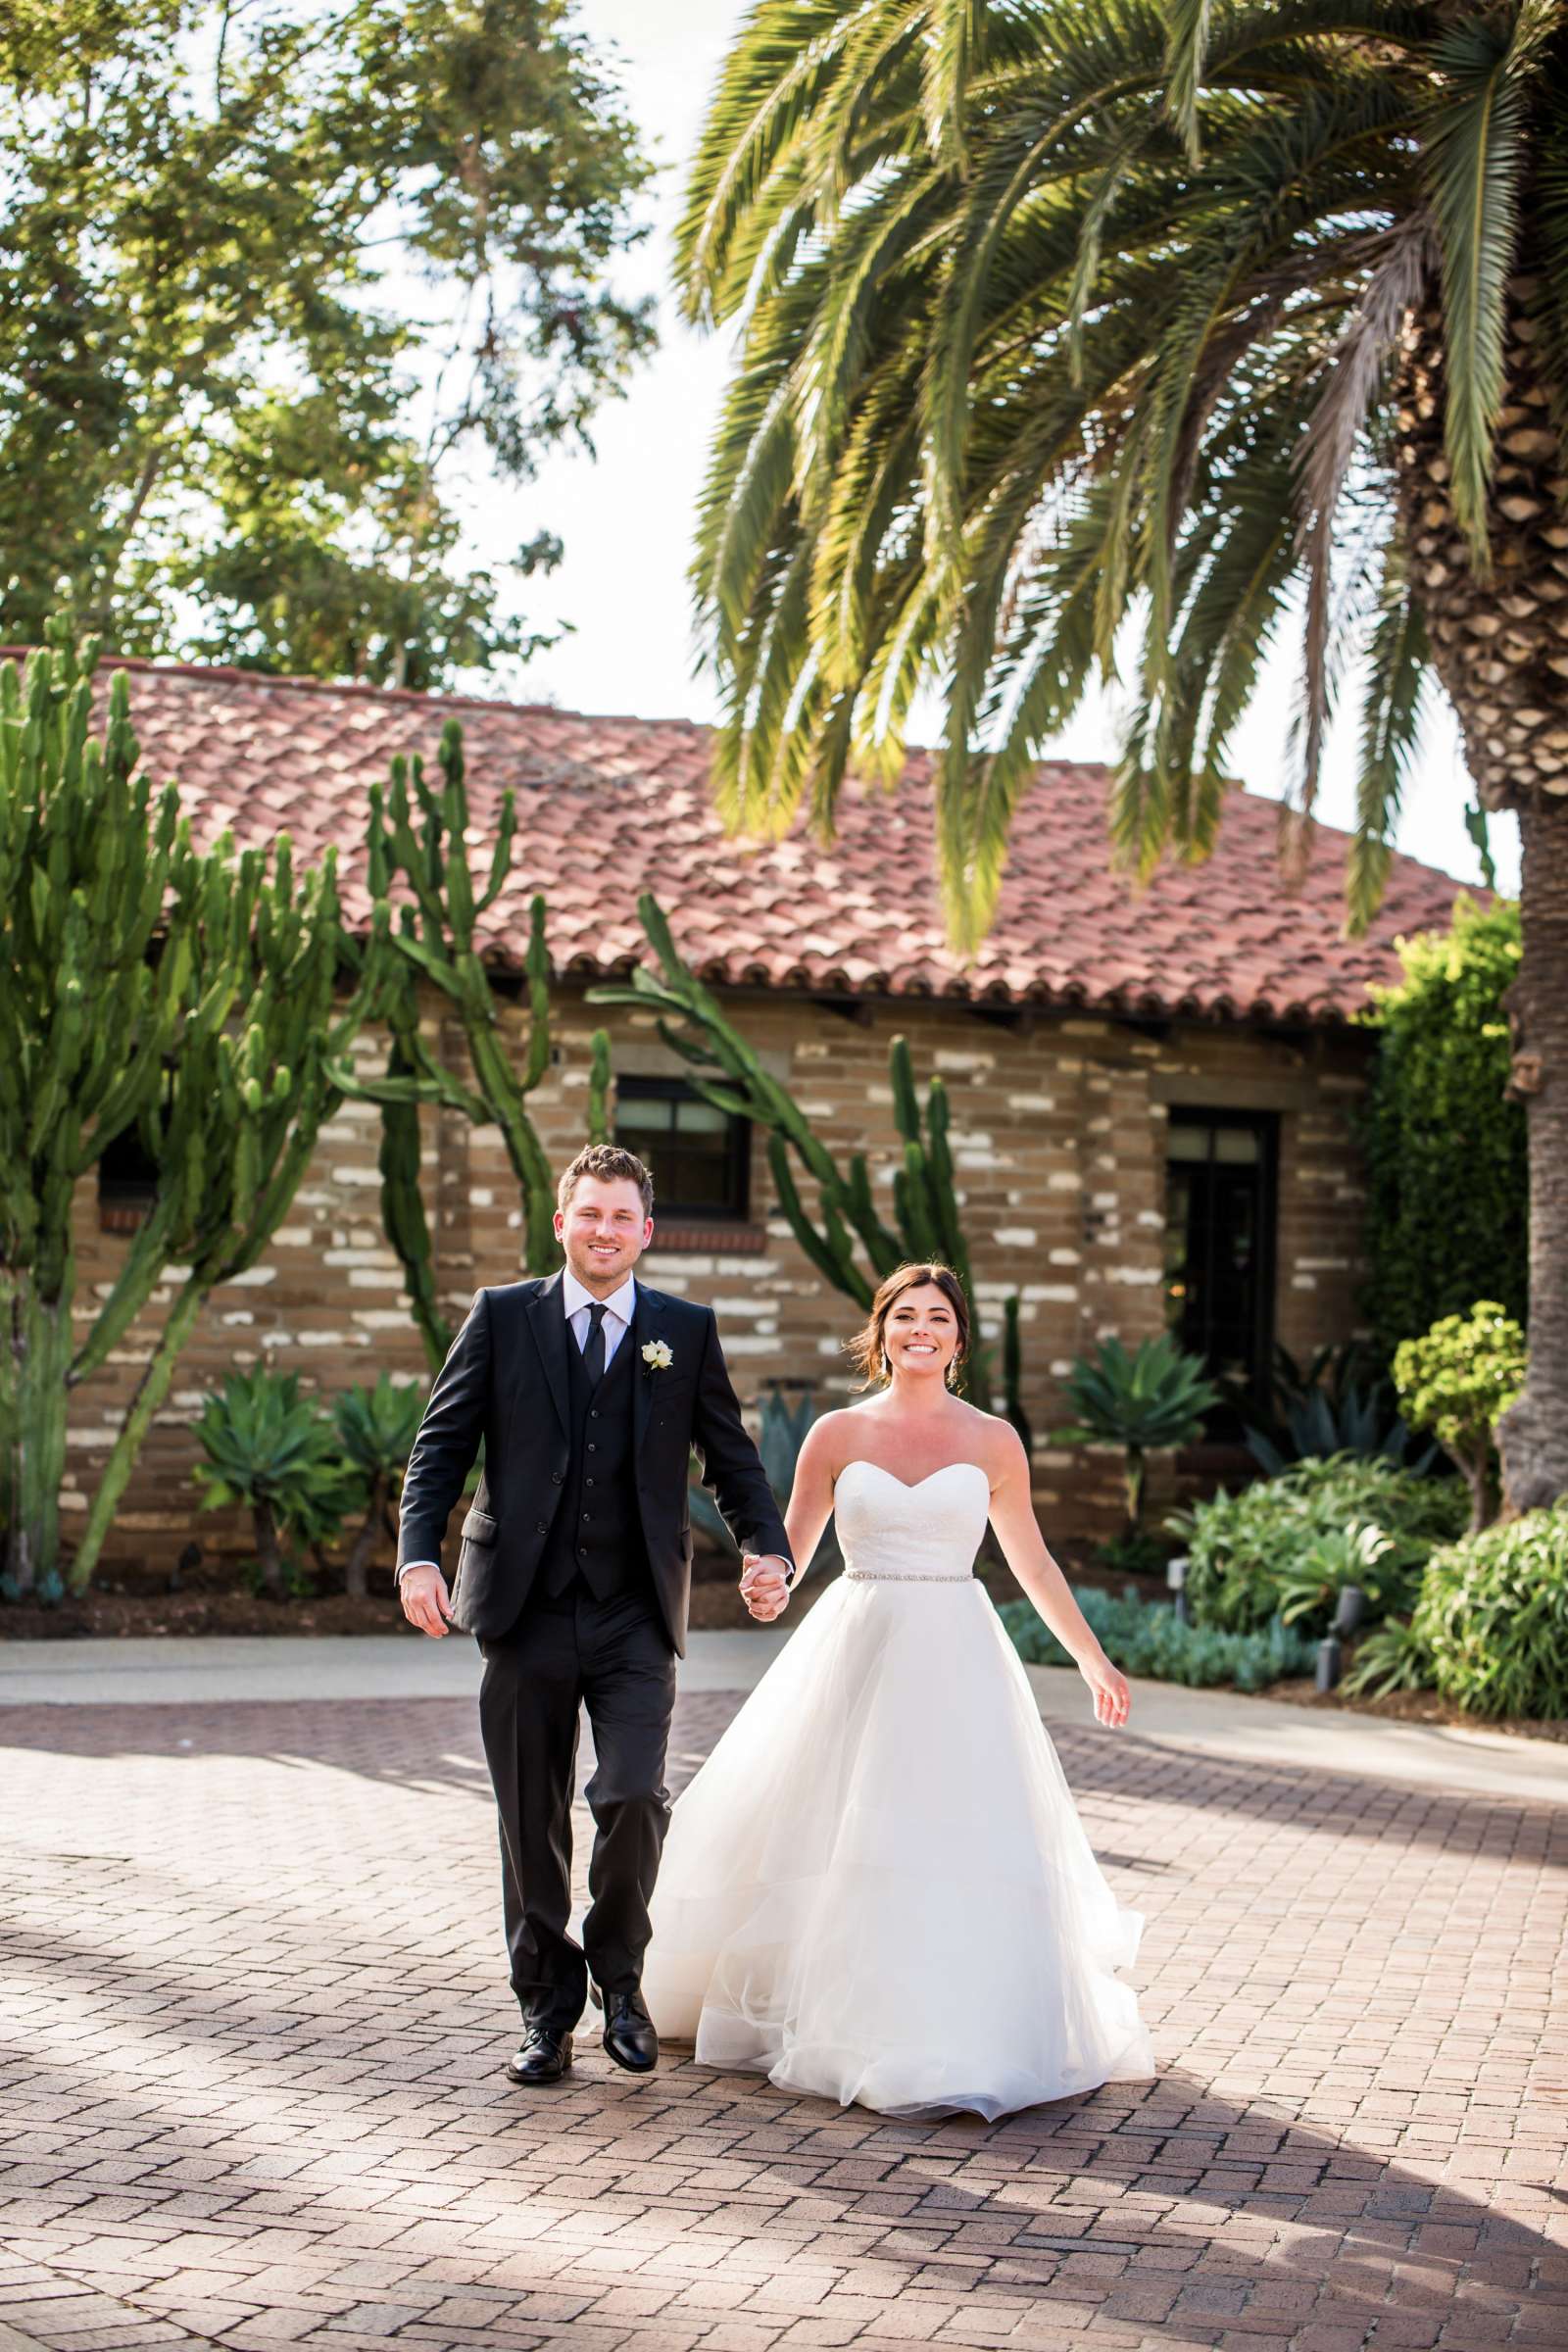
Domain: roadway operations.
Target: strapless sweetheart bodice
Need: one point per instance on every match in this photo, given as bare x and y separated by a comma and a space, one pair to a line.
927, 1532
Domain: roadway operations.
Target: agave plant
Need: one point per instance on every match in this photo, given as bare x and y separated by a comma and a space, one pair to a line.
1333, 1404
780, 1436
1154, 1398
376, 1433
274, 1450
1061, 314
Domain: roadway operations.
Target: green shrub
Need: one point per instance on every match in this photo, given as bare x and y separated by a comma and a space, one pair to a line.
1437, 1091
1393, 1658
1251, 1552
274, 1450
375, 1432
1458, 1380
1135, 1551
1150, 1639
1494, 1617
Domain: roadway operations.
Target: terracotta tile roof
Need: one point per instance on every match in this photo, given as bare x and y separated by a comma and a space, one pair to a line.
609, 807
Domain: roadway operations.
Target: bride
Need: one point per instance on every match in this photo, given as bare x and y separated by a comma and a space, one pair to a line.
877, 1888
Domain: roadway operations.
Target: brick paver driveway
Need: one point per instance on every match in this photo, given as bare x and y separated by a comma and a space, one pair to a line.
251, 2092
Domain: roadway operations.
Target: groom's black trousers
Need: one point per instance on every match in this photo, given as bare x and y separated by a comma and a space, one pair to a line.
614, 1656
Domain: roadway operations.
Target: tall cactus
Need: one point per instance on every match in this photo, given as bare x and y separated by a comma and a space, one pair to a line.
599, 1086
140, 985
89, 862
419, 857
403, 1217
238, 1122
693, 1024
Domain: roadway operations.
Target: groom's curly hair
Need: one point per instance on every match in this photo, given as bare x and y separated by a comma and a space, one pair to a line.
867, 1351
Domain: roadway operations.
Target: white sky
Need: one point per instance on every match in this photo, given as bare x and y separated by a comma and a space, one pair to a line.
626, 517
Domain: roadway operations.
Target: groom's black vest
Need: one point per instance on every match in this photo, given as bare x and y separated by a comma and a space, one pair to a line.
597, 1532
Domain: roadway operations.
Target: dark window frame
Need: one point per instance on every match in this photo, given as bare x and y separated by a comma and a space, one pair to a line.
1264, 1282
735, 1209
128, 1182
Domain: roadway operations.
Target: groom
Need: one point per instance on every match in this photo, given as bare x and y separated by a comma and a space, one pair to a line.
589, 1392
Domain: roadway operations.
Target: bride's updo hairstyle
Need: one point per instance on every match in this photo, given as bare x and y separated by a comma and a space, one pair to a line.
867, 1351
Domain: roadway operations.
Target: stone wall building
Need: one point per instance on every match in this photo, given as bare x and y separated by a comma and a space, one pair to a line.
1152, 1092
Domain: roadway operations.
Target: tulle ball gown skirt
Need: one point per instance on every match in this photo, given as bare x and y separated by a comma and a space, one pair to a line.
877, 1888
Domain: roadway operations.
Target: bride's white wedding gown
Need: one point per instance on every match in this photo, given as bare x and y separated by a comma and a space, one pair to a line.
877, 1888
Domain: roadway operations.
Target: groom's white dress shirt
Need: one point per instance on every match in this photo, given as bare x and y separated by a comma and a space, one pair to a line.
619, 1307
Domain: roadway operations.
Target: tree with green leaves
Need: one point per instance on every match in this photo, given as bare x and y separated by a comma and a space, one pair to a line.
228, 427
1457, 1380
1065, 314
1435, 1094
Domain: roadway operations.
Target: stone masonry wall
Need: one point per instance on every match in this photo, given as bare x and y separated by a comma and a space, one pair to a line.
1059, 1131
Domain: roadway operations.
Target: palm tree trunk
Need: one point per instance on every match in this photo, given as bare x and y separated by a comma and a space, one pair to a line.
1501, 647
1533, 1434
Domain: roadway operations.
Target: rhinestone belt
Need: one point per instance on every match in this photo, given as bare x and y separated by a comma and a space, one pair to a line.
901, 1576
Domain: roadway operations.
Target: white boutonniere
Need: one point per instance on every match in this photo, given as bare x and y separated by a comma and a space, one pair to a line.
658, 1355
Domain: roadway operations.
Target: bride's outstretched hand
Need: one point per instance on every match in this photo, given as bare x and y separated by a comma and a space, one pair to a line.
1112, 1699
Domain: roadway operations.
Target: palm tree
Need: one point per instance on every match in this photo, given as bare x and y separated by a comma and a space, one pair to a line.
1052, 313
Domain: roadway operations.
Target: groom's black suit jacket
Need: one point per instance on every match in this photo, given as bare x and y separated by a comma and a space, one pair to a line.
505, 1381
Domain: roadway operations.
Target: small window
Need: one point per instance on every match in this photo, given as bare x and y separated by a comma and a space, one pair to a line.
700, 1157
128, 1182
1219, 1244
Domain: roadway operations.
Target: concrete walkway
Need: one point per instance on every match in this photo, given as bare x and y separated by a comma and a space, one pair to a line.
392, 1666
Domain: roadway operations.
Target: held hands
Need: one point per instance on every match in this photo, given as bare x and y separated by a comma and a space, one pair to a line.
765, 1585
427, 1603
1112, 1699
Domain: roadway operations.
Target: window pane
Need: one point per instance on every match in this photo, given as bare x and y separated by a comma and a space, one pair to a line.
1219, 1248
697, 1117
646, 1113
698, 1153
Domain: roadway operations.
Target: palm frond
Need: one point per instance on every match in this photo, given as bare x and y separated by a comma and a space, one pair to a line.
1012, 372
1186, 46
1391, 728
1475, 152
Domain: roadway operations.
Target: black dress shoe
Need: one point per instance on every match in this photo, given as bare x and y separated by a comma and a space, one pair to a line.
629, 2035
543, 2056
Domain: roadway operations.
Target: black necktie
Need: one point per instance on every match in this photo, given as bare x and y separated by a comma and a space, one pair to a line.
593, 1354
